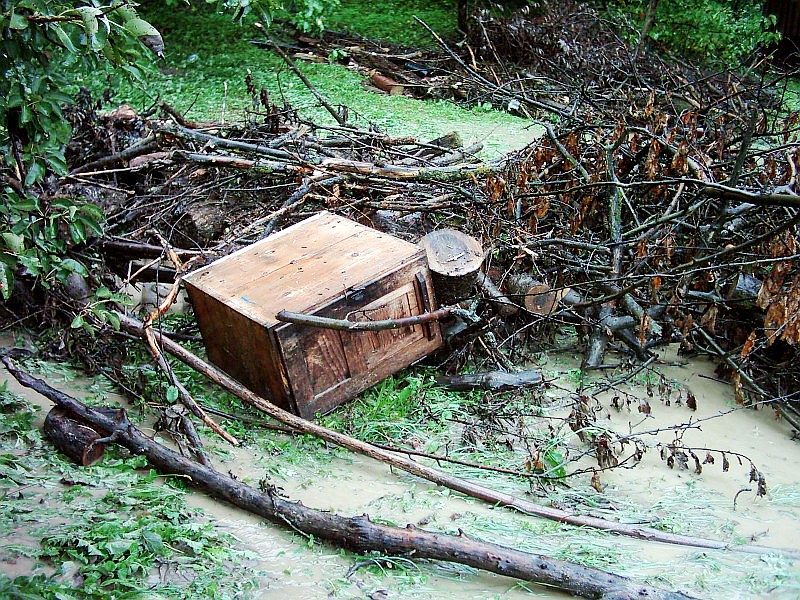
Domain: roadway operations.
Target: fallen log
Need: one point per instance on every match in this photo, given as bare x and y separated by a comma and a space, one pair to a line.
492, 380
537, 297
501, 303
468, 488
386, 84
356, 533
76, 440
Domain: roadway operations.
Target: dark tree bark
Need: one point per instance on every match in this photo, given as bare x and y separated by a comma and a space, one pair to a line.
493, 380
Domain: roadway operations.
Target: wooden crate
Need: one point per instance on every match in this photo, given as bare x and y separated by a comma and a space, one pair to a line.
328, 266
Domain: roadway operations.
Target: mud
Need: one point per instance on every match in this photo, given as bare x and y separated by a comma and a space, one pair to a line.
290, 566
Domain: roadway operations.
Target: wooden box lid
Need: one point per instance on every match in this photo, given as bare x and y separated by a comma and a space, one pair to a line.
302, 267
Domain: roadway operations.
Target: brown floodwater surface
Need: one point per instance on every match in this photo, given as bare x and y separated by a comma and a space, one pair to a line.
288, 566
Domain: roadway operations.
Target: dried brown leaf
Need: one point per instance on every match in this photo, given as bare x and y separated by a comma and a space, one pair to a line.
595, 483
709, 318
738, 389
748, 345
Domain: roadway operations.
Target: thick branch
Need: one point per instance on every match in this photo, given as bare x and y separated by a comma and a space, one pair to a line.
465, 487
358, 533
345, 325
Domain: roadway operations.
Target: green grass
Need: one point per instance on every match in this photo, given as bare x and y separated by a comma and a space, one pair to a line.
792, 97
208, 57
393, 20
400, 409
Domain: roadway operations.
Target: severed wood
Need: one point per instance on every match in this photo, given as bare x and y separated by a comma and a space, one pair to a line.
71, 437
386, 84
537, 297
201, 222
454, 259
356, 533
492, 380
468, 488
502, 304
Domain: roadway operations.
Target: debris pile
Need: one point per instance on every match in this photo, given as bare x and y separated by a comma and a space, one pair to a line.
658, 207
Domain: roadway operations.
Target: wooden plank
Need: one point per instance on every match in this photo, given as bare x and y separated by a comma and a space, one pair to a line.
358, 383
367, 349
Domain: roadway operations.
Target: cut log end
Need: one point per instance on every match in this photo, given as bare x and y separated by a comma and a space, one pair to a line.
537, 297
76, 440
455, 259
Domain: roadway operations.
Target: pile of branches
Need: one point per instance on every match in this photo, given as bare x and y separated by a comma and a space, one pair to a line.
660, 208
666, 195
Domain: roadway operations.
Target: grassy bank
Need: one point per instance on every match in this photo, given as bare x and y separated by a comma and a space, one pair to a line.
208, 57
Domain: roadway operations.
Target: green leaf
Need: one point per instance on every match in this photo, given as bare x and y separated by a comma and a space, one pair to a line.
112, 319
172, 394
73, 266
117, 547
14, 242
77, 231
93, 211
57, 163
32, 263
127, 12
35, 173
153, 541
90, 224
18, 22
147, 34
139, 27
89, 16
6, 281
64, 39
77, 322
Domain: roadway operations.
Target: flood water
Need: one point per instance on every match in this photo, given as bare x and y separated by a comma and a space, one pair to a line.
290, 566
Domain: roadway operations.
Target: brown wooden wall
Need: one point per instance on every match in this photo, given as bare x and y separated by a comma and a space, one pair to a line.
788, 14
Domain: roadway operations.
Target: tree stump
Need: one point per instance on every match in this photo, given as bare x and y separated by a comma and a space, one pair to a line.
454, 259
73, 438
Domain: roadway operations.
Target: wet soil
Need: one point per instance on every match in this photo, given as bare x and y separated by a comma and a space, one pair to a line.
290, 566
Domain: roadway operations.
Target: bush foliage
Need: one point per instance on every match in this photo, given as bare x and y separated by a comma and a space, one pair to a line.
712, 30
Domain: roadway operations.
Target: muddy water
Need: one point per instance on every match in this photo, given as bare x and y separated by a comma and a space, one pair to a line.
290, 566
